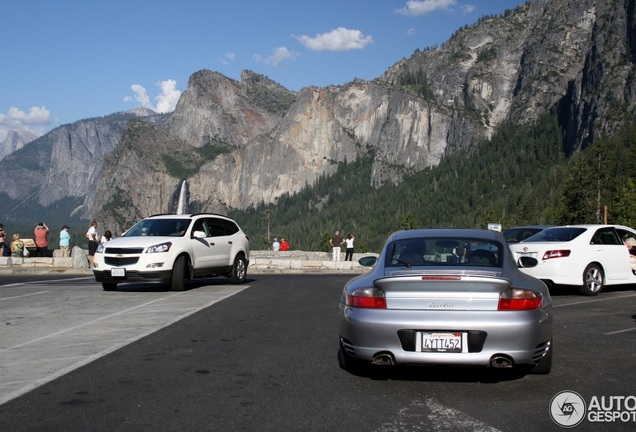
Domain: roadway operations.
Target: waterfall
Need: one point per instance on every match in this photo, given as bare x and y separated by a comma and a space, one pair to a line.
181, 206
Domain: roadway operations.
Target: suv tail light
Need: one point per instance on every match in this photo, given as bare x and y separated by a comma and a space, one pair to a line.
559, 253
369, 298
519, 299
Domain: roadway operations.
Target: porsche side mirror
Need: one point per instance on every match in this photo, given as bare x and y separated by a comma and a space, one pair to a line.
368, 261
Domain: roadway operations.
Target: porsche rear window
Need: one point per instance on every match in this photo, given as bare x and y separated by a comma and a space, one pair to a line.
444, 251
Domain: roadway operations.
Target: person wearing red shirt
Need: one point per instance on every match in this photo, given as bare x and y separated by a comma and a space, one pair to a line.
41, 233
284, 245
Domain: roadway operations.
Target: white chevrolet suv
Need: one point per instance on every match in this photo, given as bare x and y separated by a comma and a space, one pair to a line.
174, 248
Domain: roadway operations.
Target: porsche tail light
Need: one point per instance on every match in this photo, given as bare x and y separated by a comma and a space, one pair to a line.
519, 299
369, 298
558, 253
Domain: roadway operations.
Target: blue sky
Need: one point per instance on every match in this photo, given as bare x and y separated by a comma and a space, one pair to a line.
67, 60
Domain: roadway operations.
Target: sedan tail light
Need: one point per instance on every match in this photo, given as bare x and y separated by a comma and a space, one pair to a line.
370, 298
519, 299
559, 253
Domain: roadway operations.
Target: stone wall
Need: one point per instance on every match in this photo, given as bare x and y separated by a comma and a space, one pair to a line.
77, 260
260, 261
303, 262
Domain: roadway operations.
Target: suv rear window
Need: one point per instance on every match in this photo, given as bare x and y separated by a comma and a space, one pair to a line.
221, 227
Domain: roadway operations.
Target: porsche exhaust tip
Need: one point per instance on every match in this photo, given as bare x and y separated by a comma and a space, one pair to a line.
383, 359
501, 362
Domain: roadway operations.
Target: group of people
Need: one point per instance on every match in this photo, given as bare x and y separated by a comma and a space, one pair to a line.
283, 245
336, 241
17, 248
94, 240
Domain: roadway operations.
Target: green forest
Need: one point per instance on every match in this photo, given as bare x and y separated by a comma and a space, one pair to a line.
520, 177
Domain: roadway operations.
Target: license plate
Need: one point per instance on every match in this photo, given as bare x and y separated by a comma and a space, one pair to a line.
118, 272
441, 342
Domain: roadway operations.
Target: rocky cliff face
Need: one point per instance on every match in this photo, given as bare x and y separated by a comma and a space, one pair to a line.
217, 108
15, 140
66, 162
572, 56
241, 143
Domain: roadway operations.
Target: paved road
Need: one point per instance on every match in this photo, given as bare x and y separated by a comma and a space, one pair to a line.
266, 359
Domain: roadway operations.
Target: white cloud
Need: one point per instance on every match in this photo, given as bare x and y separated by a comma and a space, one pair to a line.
411, 32
141, 96
35, 121
166, 100
276, 57
468, 9
339, 39
420, 7
227, 58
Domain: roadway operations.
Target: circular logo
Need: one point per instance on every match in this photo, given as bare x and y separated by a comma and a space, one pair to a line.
567, 409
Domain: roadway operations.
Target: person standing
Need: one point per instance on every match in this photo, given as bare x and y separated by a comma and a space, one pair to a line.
41, 233
4, 247
17, 246
336, 241
284, 246
107, 236
349, 251
275, 245
65, 241
93, 242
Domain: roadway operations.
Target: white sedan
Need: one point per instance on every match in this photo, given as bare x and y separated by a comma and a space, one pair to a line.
587, 256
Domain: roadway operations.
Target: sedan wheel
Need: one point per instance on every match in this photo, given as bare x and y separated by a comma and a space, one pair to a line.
592, 280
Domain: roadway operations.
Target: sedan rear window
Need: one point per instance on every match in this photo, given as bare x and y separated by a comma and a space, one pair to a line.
561, 234
444, 251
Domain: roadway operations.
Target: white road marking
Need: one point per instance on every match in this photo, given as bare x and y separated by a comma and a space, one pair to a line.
596, 300
620, 331
68, 348
23, 295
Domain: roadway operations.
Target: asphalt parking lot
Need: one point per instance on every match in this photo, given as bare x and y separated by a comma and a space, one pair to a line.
226, 357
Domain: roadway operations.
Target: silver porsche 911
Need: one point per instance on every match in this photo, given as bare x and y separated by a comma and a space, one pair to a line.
447, 297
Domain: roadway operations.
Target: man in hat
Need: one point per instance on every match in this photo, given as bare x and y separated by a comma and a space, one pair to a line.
65, 241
